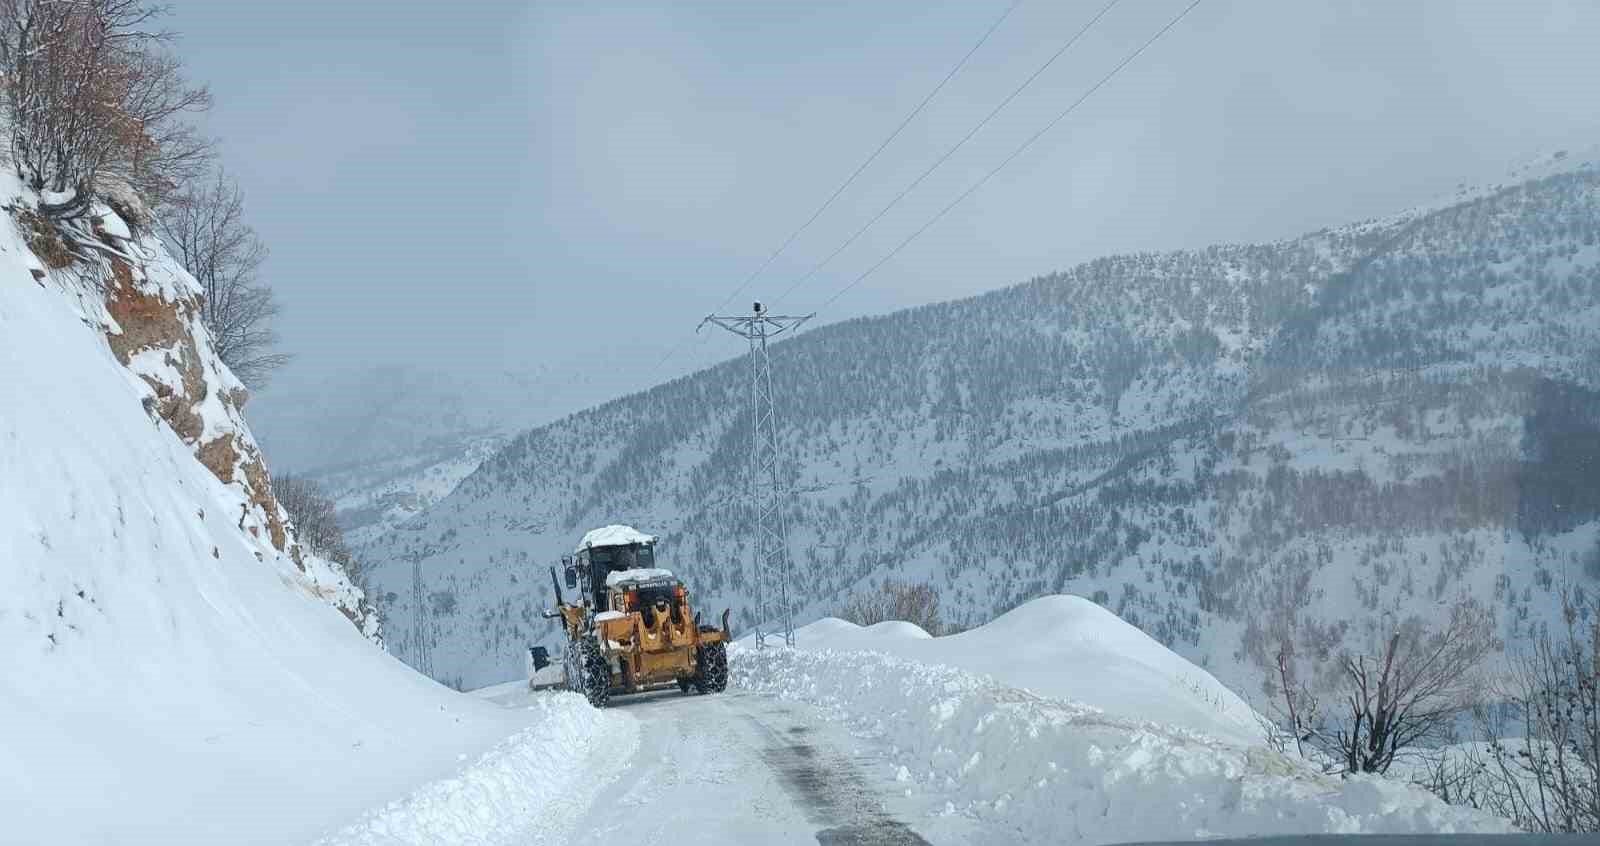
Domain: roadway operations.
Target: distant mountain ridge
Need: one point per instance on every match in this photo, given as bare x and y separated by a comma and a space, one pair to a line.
1352, 422
387, 442
379, 413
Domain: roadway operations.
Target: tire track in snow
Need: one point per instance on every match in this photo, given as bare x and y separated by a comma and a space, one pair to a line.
830, 787
739, 768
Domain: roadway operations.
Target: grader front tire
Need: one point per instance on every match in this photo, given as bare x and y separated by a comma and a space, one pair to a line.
713, 671
596, 675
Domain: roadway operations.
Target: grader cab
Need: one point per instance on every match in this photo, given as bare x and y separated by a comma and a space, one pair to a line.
632, 628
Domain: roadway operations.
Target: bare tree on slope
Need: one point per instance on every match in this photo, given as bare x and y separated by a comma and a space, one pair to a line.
1411, 691
204, 228
316, 523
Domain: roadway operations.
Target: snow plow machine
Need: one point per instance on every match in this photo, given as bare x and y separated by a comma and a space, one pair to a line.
632, 628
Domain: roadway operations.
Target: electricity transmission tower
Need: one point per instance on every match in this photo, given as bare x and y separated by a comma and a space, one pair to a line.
769, 548
419, 632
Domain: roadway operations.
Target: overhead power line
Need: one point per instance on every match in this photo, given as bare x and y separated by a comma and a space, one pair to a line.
937, 163
858, 171
1126, 60
869, 160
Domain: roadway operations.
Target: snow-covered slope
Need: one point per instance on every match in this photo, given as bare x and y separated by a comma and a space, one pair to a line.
125, 285
1072, 755
1366, 420
170, 672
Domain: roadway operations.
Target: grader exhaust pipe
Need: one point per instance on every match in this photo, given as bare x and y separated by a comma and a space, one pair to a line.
556, 583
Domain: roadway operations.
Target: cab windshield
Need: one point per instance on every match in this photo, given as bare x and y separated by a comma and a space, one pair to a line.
611, 559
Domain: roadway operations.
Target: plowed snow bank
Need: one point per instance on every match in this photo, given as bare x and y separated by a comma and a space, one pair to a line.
530, 788
1056, 770
1067, 647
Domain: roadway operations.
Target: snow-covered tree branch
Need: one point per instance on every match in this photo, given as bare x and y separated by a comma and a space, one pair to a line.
91, 94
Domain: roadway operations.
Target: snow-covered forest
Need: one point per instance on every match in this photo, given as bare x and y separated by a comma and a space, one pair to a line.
1362, 421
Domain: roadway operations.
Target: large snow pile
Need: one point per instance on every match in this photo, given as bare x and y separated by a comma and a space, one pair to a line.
1055, 769
1067, 647
166, 677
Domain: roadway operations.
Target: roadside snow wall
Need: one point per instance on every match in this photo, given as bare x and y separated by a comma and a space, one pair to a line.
1059, 771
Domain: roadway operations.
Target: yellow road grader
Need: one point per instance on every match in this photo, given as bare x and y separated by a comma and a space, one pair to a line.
632, 628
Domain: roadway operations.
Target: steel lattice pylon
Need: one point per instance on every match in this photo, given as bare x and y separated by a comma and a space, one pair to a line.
769, 548
421, 654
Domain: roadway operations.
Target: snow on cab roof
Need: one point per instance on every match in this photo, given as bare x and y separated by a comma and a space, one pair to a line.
614, 535
642, 574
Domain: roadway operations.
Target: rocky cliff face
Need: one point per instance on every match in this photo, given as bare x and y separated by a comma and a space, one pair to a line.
148, 307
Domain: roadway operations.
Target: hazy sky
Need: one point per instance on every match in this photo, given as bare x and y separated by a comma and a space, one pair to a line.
480, 186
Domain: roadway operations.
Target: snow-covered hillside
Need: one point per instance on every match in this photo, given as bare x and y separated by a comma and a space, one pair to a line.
174, 671
147, 308
1365, 420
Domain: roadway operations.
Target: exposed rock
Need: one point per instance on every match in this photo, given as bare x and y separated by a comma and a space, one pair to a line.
260, 487
219, 456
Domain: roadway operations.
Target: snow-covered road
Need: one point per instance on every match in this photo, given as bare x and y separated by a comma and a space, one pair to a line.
880, 736
742, 768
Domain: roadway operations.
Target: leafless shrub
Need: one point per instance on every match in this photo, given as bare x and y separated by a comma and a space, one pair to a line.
204, 228
1453, 772
90, 91
916, 603
1277, 737
1401, 693
1548, 778
1412, 690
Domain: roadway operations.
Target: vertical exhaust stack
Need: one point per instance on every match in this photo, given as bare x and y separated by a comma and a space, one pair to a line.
556, 583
